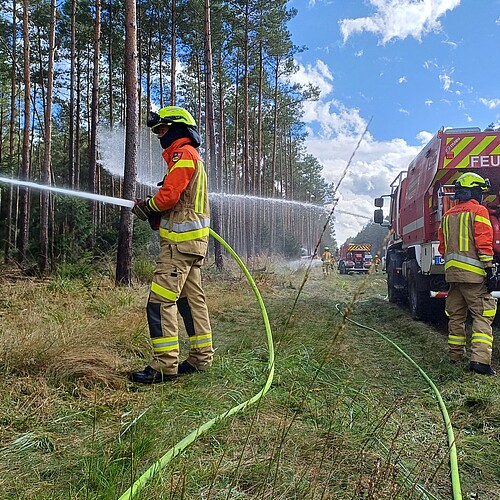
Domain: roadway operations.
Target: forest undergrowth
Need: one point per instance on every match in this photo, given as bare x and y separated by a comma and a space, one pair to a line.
346, 416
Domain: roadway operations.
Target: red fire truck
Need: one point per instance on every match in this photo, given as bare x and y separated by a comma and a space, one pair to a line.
354, 258
419, 197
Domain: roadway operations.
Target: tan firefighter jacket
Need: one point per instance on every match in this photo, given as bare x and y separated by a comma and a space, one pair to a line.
183, 200
466, 242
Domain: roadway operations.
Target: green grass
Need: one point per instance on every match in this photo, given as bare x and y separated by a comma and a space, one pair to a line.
346, 416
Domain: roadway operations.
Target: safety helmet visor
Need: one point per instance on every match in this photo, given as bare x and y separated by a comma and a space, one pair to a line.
168, 116
154, 122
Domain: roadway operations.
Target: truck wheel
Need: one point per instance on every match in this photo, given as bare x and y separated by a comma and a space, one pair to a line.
393, 294
418, 301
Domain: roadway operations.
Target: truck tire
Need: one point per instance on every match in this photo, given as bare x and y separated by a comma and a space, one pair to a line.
419, 302
395, 295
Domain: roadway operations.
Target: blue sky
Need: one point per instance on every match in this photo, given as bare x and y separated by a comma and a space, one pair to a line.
412, 66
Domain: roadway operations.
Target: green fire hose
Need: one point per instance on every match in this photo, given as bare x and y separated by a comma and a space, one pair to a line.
190, 438
455, 477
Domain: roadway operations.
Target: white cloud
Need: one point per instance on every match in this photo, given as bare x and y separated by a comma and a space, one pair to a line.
424, 137
318, 75
454, 45
490, 103
445, 80
430, 64
399, 19
376, 163
403, 79
464, 89
428, 102
359, 53
404, 111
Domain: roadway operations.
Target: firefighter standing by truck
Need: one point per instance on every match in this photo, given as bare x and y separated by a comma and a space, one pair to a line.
181, 209
466, 243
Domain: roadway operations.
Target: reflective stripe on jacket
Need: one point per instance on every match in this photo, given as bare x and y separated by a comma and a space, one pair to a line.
183, 199
466, 242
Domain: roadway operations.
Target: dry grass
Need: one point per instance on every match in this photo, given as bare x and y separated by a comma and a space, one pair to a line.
345, 418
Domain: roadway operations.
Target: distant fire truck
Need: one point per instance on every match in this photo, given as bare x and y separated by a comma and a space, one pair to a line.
354, 258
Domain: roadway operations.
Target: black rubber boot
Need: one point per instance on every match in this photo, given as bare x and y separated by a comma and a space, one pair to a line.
151, 376
481, 368
186, 368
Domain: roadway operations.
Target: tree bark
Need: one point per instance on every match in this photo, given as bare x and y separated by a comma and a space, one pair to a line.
10, 190
173, 66
46, 177
110, 62
211, 149
124, 257
94, 118
72, 118
23, 221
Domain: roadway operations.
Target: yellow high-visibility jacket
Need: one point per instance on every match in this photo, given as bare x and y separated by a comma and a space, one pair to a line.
466, 242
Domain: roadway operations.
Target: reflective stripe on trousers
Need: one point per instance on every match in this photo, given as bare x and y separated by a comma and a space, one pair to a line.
473, 297
178, 275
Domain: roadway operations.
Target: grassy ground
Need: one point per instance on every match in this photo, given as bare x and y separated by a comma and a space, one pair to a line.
346, 416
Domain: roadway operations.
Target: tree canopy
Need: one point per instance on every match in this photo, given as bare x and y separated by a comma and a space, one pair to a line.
259, 133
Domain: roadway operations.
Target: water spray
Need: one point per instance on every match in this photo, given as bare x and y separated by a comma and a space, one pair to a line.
70, 192
110, 200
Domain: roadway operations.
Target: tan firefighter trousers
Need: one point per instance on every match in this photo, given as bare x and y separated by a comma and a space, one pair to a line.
482, 306
178, 275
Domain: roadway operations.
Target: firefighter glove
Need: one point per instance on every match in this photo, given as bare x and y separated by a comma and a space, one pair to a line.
154, 221
141, 209
491, 279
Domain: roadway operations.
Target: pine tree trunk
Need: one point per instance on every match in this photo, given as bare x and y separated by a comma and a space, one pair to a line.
160, 54
46, 177
72, 117
275, 130
110, 62
78, 128
94, 118
23, 221
173, 68
223, 177
258, 162
10, 191
124, 257
211, 148
236, 127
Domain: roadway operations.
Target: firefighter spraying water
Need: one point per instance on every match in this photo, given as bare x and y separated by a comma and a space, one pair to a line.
180, 211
